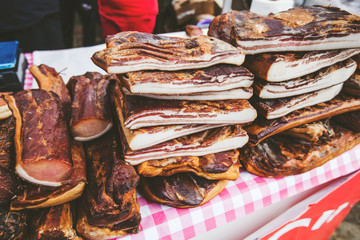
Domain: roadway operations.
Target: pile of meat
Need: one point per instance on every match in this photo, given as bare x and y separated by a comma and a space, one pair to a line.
303, 62
176, 119
181, 105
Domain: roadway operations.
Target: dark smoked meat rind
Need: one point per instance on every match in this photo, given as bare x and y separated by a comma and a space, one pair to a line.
9, 180
41, 136
13, 224
181, 190
280, 156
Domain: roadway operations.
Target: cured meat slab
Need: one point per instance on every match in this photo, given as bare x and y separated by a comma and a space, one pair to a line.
52, 223
42, 140
198, 144
34, 196
13, 224
262, 128
280, 156
326, 77
215, 166
5, 112
278, 67
215, 78
50, 80
8, 179
90, 113
350, 119
220, 27
135, 51
236, 93
275, 108
298, 29
139, 112
109, 207
181, 190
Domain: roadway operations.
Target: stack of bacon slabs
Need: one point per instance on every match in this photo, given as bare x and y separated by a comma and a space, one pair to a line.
301, 59
181, 105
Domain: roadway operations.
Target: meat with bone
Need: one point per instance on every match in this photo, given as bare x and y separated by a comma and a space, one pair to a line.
90, 113
215, 166
280, 156
109, 206
275, 108
9, 181
42, 140
13, 225
50, 80
277, 67
135, 51
181, 190
263, 128
220, 27
139, 112
214, 78
198, 144
35, 196
52, 223
326, 77
298, 29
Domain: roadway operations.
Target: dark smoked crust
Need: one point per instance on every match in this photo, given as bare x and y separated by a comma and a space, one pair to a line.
350, 120
280, 156
181, 190
262, 128
13, 224
216, 166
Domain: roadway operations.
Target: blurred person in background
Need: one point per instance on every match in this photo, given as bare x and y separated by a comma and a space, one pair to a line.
127, 15
34, 23
87, 11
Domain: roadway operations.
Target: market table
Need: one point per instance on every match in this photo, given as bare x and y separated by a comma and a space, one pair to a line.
246, 195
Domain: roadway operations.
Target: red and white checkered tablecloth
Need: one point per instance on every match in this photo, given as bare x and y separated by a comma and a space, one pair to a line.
247, 194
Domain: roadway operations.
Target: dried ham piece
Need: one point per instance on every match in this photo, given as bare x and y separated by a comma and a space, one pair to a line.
9, 181
215, 166
236, 93
193, 30
139, 112
326, 77
135, 51
52, 223
181, 190
277, 67
90, 113
280, 156
41, 137
50, 80
215, 78
311, 132
262, 128
220, 27
275, 108
109, 206
198, 144
35, 196
298, 29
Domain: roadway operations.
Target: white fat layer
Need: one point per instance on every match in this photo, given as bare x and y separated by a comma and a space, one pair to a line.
146, 139
23, 174
84, 139
189, 88
220, 146
238, 93
181, 117
320, 96
297, 86
285, 44
282, 70
235, 59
